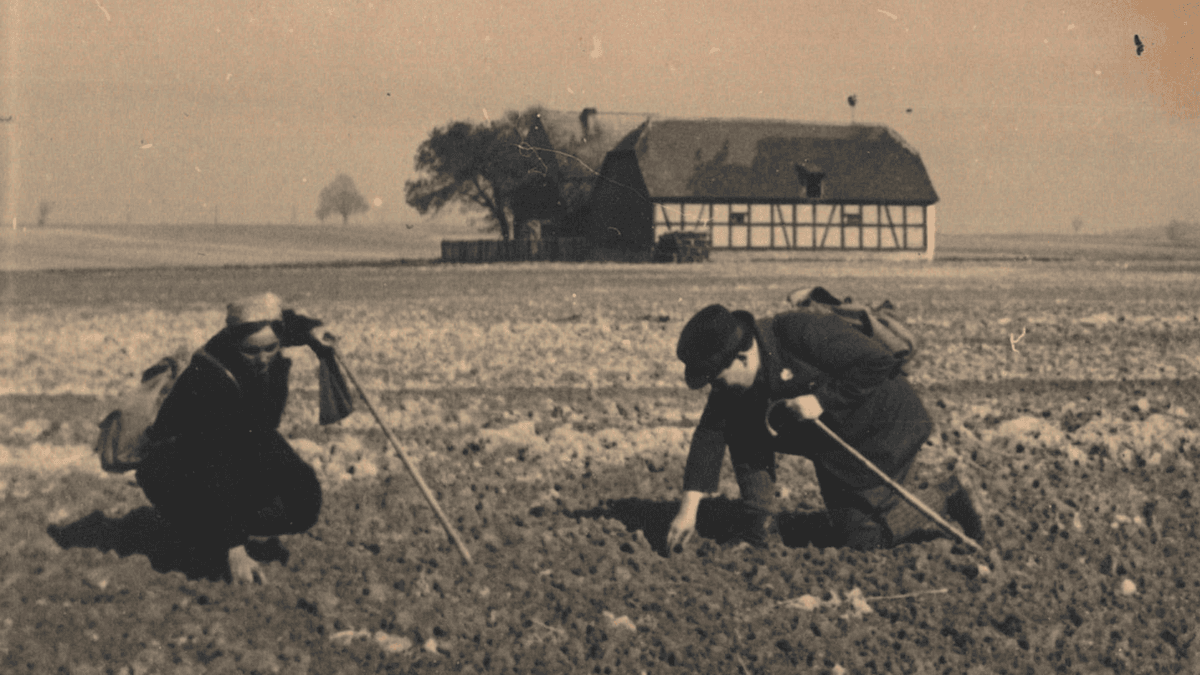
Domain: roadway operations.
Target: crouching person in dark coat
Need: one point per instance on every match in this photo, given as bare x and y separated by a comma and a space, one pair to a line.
221, 472
770, 377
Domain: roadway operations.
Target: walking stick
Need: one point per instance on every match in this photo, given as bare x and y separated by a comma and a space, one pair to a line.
462, 548
908, 496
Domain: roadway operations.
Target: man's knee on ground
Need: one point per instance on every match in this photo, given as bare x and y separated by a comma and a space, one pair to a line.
757, 488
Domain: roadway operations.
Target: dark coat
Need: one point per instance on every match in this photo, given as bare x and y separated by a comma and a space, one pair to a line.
221, 470
867, 401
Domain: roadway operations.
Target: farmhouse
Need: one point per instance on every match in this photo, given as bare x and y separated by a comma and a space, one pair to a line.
614, 183
762, 184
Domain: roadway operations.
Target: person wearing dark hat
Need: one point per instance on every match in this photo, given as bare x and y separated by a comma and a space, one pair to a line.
770, 377
221, 472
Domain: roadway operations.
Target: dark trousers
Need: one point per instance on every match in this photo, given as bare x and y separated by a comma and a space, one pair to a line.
269, 491
859, 516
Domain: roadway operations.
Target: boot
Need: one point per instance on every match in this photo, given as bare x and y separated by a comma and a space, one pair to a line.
950, 498
960, 506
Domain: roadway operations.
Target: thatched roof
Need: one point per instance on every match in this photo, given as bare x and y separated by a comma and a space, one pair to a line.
766, 160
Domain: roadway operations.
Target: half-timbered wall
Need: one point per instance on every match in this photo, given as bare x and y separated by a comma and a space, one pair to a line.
802, 225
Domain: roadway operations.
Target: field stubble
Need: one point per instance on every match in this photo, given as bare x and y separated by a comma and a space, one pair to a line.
544, 405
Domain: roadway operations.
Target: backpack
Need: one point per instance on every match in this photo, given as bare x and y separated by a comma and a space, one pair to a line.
124, 434
881, 323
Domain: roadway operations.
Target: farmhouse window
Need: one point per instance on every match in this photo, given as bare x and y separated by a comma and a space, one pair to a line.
810, 181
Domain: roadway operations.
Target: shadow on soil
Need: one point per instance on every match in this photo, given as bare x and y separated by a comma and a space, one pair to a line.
144, 532
718, 519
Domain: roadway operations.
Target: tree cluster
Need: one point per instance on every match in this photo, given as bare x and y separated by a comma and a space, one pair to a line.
505, 168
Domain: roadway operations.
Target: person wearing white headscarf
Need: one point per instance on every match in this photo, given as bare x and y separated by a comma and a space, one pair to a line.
221, 471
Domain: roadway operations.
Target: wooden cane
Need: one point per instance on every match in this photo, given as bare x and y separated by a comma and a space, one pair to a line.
462, 548
908, 496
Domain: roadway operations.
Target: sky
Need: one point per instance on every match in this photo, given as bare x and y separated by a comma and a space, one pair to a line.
1027, 115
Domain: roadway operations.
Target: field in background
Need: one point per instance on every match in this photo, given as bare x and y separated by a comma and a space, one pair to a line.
1151, 245
130, 246
137, 246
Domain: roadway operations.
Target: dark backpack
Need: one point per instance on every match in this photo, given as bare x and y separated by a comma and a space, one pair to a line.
124, 440
881, 323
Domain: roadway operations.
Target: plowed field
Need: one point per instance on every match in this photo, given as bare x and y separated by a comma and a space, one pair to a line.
544, 406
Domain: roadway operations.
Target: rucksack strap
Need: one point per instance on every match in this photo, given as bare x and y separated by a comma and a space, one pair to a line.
802, 372
203, 355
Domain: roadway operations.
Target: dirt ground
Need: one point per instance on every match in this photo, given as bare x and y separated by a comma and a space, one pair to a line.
543, 406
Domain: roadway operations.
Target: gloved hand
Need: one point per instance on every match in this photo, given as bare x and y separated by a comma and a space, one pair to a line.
303, 330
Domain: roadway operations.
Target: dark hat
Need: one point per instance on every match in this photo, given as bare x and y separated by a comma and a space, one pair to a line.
709, 341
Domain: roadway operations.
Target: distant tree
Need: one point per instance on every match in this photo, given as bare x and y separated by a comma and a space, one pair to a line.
44, 208
341, 196
486, 166
1077, 224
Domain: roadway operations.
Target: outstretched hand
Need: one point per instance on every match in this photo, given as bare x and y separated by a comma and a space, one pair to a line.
243, 568
682, 529
684, 524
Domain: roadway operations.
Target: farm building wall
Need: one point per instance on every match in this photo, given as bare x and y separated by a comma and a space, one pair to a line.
802, 225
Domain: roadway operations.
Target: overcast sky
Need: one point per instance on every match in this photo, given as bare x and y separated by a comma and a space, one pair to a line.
1027, 114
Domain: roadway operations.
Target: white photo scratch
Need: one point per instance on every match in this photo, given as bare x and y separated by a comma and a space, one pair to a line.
1014, 339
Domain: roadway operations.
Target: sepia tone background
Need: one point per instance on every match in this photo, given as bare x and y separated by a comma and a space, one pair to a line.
1027, 115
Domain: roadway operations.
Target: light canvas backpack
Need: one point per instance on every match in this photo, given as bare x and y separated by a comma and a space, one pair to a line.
124, 434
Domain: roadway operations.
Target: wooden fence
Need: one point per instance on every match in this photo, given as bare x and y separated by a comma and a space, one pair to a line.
493, 250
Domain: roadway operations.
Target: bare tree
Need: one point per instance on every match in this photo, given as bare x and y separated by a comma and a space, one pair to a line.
342, 197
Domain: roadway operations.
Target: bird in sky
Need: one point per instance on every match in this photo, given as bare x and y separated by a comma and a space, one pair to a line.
1140, 47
